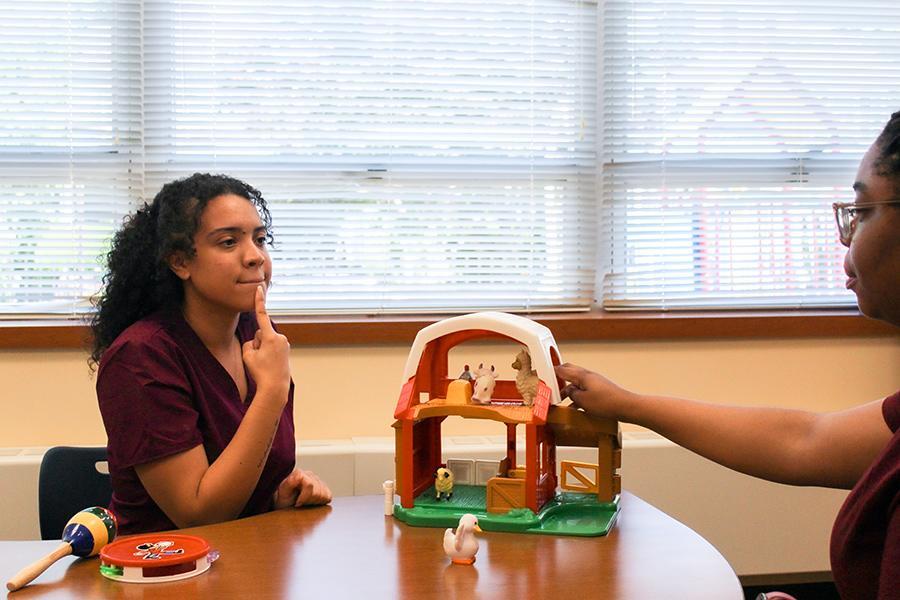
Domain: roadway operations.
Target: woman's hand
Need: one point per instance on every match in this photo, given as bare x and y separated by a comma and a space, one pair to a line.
594, 393
267, 355
301, 488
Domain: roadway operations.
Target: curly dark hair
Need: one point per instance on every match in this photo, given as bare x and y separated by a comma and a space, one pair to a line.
138, 280
888, 143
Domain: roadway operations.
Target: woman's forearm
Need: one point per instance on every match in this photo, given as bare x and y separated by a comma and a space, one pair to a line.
771, 443
783, 445
228, 483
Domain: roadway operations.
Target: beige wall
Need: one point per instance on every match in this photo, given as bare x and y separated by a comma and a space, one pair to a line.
345, 392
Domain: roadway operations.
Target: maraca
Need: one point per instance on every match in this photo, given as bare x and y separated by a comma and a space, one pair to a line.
84, 535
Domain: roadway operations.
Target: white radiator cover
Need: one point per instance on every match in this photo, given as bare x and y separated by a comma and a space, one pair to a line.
761, 528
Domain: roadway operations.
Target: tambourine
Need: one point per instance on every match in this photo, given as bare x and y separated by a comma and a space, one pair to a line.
156, 558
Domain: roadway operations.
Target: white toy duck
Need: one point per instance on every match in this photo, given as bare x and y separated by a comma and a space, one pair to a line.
462, 546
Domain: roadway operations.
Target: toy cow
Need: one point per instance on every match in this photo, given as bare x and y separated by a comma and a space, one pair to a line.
485, 381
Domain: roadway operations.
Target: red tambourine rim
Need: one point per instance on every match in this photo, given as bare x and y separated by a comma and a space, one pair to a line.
120, 553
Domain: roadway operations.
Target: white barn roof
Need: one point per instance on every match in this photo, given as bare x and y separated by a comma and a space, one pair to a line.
531, 334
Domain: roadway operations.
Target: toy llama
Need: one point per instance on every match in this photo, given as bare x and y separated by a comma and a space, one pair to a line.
526, 379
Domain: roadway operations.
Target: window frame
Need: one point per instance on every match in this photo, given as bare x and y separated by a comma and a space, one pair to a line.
593, 326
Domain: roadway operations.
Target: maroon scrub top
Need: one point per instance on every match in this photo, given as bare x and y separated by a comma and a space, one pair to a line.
162, 392
865, 541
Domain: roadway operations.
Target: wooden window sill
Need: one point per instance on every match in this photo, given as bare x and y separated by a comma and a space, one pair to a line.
595, 325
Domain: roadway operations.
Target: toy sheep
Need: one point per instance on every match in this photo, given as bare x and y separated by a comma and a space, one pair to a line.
526, 379
443, 483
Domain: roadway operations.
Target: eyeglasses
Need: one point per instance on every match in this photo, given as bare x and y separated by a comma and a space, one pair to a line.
846, 214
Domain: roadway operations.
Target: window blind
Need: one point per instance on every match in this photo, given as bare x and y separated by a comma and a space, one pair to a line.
728, 129
416, 155
422, 156
69, 146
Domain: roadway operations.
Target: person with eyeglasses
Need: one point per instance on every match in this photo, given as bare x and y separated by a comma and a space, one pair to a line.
857, 448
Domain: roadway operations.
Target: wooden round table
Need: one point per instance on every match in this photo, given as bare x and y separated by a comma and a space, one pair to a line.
351, 550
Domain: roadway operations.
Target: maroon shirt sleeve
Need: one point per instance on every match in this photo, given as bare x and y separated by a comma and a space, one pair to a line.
890, 408
145, 400
865, 540
889, 580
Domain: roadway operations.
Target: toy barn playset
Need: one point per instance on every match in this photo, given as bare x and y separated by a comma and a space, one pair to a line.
577, 499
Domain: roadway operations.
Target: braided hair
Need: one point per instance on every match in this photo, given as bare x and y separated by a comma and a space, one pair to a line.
138, 280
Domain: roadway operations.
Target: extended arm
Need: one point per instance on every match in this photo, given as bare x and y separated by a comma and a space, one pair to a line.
787, 446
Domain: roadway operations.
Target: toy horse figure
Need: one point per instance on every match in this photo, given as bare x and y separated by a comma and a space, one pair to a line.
485, 380
526, 379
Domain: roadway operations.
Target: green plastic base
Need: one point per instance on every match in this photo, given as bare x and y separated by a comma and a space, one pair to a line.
568, 513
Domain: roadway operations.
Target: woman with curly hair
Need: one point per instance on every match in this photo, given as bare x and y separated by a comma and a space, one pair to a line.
194, 383
856, 449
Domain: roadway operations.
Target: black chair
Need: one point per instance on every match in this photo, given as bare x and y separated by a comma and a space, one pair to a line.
69, 482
